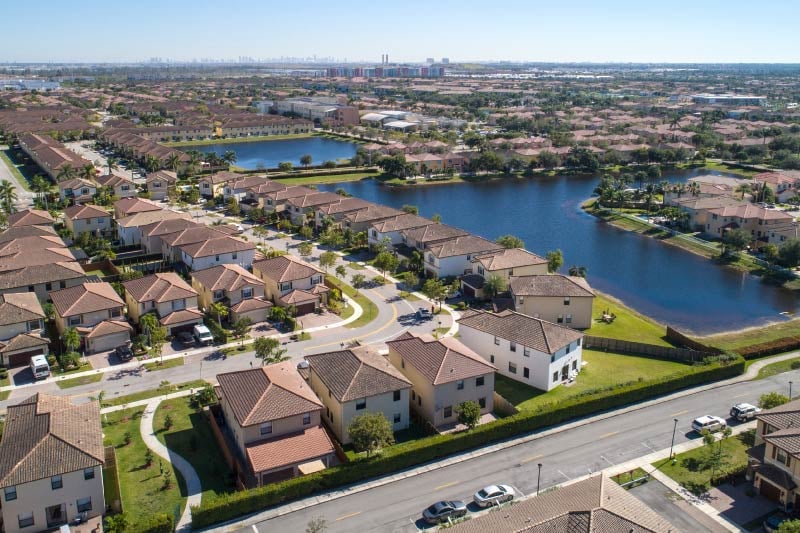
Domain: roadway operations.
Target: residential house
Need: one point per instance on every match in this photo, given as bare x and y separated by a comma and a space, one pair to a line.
166, 294
171, 243
444, 373
332, 214
129, 228
87, 218
238, 188
424, 236
51, 464
30, 217
235, 287
391, 228
505, 264
754, 219
355, 382
526, 349
132, 205
256, 197
42, 279
453, 257
95, 310
160, 182
784, 184
120, 186
697, 208
775, 457
21, 328
300, 207
273, 418
555, 298
289, 281
152, 233
218, 251
362, 219
17, 232
275, 201
212, 186
77, 191
34, 250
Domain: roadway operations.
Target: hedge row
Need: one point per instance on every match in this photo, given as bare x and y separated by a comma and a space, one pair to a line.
413, 453
219, 334
763, 349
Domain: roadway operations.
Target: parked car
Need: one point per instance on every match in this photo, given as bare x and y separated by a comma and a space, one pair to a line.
124, 352
744, 411
709, 423
444, 510
186, 338
203, 335
493, 495
423, 314
238, 227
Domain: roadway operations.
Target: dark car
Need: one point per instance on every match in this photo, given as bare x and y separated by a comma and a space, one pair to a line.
444, 510
185, 338
124, 352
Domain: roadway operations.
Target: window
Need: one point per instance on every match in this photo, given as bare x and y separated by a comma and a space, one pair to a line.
525, 372
448, 411
306, 419
511, 272
396, 396
31, 288
56, 482
566, 300
569, 319
247, 293
48, 286
10, 493
286, 286
62, 284
216, 258
402, 363
316, 280
482, 402
266, 428
116, 312
84, 504
419, 400
575, 365
361, 404
579, 342
512, 346
479, 381
397, 418
526, 352
88, 473
178, 304
497, 341
491, 359
521, 300
781, 456
560, 319
25, 519
413, 395
218, 295
33, 325
512, 367
460, 384
234, 255
555, 376
74, 321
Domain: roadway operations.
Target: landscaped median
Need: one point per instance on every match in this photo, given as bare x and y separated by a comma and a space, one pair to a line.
412, 453
368, 308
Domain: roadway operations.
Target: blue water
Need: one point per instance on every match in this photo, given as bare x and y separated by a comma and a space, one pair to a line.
669, 284
269, 154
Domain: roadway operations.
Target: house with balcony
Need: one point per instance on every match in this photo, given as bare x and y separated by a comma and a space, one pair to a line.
505, 264
526, 349
273, 420
87, 218
453, 257
21, 329
95, 310
166, 294
774, 464
51, 464
355, 382
752, 218
443, 373
555, 298
236, 288
291, 282
256, 196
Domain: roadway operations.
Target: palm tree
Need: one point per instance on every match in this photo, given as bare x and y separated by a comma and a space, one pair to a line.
219, 310
229, 157
152, 163
744, 188
71, 339
67, 172
88, 172
494, 285
112, 163
41, 185
173, 161
579, 271
8, 196
305, 160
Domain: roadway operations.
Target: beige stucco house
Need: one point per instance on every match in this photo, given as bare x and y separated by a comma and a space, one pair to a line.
505, 263
775, 458
87, 218
21, 328
95, 310
555, 298
160, 182
289, 281
239, 290
166, 294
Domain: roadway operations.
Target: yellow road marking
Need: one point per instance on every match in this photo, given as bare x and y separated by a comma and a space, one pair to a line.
608, 435
532, 458
680, 413
447, 485
351, 515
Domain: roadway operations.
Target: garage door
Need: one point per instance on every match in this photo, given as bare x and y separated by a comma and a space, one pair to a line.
770, 491
469, 292
108, 342
184, 327
24, 358
304, 309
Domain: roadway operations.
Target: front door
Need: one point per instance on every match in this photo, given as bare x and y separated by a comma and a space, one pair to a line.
56, 515
564, 372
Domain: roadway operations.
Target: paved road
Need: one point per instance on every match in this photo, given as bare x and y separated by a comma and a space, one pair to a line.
24, 198
567, 455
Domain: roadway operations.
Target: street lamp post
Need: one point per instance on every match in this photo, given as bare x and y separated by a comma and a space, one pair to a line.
539, 479
674, 428
790, 390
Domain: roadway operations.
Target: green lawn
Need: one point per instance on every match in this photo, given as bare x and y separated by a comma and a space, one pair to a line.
602, 371
82, 368
356, 266
370, 310
627, 477
739, 339
15, 169
152, 393
629, 325
163, 365
77, 382
779, 367
691, 470
328, 178
142, 487
4, 396
190, 437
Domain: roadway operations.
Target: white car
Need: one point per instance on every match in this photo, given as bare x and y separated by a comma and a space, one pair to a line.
493, 495
744, 411
709, 423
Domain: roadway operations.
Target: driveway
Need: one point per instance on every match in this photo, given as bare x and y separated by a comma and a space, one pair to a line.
734, 504
680, 513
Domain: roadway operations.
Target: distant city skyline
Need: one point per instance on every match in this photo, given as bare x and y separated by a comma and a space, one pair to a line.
617, 31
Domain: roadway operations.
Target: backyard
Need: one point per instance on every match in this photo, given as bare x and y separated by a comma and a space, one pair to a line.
747, 337
628, 324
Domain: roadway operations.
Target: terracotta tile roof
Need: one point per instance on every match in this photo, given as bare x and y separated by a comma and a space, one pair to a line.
132, 205
85, 298
161, 287
697, 203
776, 475
527, 331
289, 449
401, 222
594, 505
466, 245
221, 245
440, 361
434, 232
16, 308
167, 176
267, 393
225, 277
181, 316
286, 268
356, 373
148, 217
35, 274
17, 254
192, 234
30, 217
782, 416
373, 213
80, 212
165, 227
292, 191
46, 436
345, 205
509, 258
18, 232
751, 211
314, 199
298, 296
222, 177
249, 182
23, 341
251, 304
108, 327
555, 285
267, 187
112, 180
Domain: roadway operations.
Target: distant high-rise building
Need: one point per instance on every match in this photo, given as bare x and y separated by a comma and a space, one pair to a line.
430, 61
445, 61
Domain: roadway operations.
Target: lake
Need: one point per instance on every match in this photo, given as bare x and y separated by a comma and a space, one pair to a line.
667, 283
268, 154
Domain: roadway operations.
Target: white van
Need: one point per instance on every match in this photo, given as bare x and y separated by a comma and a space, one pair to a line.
39, 367
203, 335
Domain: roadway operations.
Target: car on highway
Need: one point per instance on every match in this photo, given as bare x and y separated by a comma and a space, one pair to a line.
124, 352
744, 412
443, 511
493, 495
185, 338
423, 314
709, 423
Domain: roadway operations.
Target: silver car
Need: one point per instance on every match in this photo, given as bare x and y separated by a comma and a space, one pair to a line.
493, 495
444, 510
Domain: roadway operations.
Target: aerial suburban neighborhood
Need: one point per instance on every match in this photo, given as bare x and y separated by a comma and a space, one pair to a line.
243, 289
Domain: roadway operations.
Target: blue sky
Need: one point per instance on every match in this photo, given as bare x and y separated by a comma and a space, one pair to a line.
410, 30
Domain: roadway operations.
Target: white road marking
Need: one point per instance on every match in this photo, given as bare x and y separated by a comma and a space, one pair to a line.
606, 460
566, 476
255, 529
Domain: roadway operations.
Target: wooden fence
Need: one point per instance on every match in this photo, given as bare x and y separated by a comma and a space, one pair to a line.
645, 350
111, 480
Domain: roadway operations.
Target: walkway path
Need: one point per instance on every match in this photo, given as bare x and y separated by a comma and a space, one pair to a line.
193, 488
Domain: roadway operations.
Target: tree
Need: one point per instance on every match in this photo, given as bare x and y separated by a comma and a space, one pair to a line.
67, 172
158, 336
316, 525
327, 260
341, 271
386, 261
434, 289
233, 207
285, 166
305, 249
229, 157
305, 160
88, 172
735, 240
218, 310
71, 339
789, 526
370, 432
577, 271
410, 209
8, 196
772, 399
306, 232
357, 280
241, 328
510, 241
173, 162
436, 218
789, 253
555, 258
469, 413
771, 253
116, 523
269, 350
494, 285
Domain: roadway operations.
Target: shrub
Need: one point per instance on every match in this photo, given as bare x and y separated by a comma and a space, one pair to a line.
158, 523
795, 365
763, 349
219, 334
